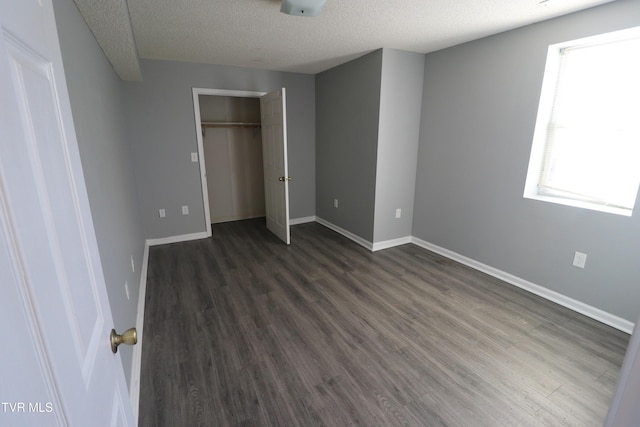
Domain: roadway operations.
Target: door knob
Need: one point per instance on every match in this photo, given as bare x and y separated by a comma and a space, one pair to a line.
284, 178
130, 337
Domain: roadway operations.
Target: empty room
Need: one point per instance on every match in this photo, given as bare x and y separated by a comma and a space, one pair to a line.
312, 212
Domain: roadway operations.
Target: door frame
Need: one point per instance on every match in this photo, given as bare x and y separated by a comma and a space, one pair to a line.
198, 123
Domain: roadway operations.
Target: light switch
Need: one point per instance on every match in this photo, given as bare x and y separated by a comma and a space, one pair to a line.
194, 157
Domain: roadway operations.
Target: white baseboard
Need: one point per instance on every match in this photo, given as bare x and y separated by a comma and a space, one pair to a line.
349, 235
136, 363
565, 301
378, 246
222, 220
373, 247
177, 239
303, 220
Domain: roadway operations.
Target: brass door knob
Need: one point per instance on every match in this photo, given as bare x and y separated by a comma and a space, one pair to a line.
130, 337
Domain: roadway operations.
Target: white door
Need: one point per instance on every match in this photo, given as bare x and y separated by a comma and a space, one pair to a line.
274, 157
56, 364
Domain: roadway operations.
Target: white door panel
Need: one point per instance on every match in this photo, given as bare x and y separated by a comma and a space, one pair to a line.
50, 263
274, 153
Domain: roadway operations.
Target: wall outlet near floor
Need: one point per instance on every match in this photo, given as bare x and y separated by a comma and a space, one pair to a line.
398, 213
335, 203
185, 210
579, 259
194, 157
162, 213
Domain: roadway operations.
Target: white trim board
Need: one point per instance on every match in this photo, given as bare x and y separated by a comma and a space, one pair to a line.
178, 239
349, 235
136, 362
386, 244
302, 220
229, 92
373, 247
563, 300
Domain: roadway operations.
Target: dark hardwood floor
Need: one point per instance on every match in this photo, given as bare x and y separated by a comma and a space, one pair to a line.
242, 330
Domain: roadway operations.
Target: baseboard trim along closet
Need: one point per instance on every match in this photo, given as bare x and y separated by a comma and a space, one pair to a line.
303, 220
386, 244
565, 301
177, 239
136, 363
373, 247
349, 235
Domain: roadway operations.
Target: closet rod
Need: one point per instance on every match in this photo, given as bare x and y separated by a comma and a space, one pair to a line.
229, 124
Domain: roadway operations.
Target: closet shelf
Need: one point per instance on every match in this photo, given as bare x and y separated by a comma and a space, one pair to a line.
229, 124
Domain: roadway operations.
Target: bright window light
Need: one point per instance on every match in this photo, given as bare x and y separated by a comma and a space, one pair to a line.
586, 147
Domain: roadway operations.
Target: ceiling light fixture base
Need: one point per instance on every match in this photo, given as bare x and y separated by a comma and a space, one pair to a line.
302, 7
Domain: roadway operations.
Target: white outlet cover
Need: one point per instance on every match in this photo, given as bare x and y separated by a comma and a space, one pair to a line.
398, 213
335, 203
194, 157
162, 213
579, 259
185, 210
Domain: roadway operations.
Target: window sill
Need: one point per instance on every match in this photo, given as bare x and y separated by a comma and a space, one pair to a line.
579, 204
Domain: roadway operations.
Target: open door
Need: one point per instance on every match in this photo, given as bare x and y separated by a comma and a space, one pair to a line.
274, 157
57, 364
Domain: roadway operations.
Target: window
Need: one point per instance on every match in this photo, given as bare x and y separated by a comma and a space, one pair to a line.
586, 144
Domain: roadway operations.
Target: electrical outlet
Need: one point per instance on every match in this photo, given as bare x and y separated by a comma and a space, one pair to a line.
335, 203
185, 210
398, 213
162, 213
133, 265
126, 288
194, 157
579, 259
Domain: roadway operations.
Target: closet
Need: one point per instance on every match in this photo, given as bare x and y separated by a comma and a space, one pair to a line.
232, 144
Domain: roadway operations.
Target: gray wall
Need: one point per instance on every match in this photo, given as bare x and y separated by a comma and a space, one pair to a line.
161, 127
398, 134
347, 111
479, 110
96, 101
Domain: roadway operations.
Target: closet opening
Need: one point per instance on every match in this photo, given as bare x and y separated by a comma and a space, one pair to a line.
232, 148
242, 151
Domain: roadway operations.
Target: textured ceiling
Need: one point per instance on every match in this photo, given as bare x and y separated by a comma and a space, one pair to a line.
253, 33
109, 22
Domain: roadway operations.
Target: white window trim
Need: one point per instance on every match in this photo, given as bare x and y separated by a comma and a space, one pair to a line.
545, 108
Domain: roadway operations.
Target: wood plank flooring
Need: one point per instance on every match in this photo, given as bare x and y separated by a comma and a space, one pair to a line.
241, 330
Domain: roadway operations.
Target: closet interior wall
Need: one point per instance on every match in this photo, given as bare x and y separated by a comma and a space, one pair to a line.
232, 143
